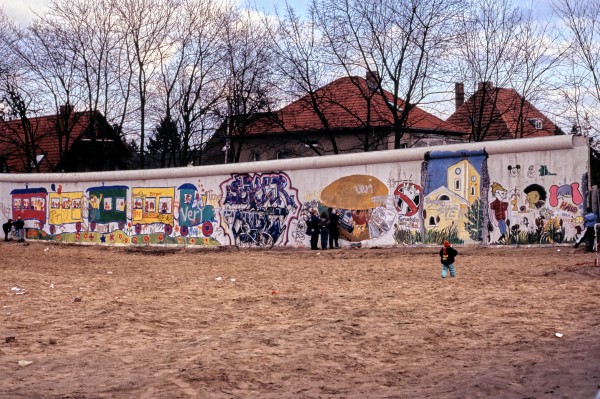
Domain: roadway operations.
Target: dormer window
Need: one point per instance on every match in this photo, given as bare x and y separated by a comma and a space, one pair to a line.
536, 123
38, 159
311, 144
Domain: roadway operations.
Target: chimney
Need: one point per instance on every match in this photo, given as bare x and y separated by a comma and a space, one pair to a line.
488, 86
459, 94
66, 110
372, 78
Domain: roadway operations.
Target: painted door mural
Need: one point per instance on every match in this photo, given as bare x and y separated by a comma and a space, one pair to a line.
452, 186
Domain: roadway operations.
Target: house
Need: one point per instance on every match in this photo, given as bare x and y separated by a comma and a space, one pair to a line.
494, 113
347, 115
66, 142
447, 205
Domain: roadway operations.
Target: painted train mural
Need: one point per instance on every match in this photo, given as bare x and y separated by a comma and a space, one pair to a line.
466, 196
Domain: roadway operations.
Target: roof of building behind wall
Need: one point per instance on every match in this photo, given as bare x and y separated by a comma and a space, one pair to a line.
344, 105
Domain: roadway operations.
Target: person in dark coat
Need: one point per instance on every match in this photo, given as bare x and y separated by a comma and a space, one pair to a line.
334, 233
447, 255
324, 224
19, 225
313, 229
7, 227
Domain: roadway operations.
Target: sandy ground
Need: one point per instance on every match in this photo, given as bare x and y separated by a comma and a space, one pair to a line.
99, 322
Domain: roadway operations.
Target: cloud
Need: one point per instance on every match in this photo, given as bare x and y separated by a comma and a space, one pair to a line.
22, 11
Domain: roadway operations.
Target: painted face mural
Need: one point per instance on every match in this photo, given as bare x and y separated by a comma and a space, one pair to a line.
265, 203
361, 200
535, 196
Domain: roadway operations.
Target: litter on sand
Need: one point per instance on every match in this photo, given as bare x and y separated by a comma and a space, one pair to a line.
559, 335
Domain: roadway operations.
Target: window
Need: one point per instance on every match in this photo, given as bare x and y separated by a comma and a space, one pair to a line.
38, 159
282, 155
311, 144
536, 123
472, 190
432, 221
457, 184
255, 156
443, 197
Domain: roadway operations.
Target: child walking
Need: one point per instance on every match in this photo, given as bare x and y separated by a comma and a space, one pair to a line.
447, 253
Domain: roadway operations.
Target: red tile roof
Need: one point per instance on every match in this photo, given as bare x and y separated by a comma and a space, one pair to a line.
501, 113
46, 137
344, 106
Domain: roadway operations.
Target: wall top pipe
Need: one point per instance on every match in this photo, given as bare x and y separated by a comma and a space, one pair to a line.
376, 157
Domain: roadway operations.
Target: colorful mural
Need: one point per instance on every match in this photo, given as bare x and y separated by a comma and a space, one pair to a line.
463, 196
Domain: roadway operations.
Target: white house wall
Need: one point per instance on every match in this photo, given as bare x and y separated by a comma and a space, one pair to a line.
384, 198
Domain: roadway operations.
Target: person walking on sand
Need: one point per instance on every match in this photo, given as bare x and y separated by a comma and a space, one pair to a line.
447, 255
334, 233
589, 219
19, 227
7, 227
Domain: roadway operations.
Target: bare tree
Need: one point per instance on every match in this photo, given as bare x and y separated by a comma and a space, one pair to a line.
582, 21
145, 24
499, 47
400, 43
249, 78
20, 134
540, 54
201, 65
301, 54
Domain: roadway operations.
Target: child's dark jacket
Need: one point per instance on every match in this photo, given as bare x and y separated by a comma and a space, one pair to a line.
448, 257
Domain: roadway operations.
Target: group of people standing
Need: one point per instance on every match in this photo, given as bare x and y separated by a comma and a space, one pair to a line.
19, 226
324, 227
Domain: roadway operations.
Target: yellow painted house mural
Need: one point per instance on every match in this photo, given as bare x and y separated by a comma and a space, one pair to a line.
464, 180
454, 187
445, 209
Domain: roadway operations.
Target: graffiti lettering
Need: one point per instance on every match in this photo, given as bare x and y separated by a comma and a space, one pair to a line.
259, 202
565, 206
363, 188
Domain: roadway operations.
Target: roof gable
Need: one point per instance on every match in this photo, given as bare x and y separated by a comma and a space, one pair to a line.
344, 104
501, 116
47, 141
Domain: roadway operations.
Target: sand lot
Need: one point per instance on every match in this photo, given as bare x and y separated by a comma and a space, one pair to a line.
99, 322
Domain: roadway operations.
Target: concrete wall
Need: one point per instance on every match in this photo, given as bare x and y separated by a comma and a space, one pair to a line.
527, 191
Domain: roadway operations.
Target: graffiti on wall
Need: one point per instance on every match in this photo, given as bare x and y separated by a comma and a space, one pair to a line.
259, 204
539, 215
452, 196
196, 210
362, 203
408, 197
